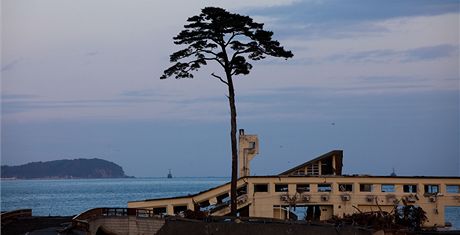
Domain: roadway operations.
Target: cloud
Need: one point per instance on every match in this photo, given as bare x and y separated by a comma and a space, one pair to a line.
18, 96
144, 93
355, 10
341, 19
431, 53
172, 96
130, 105
92, 53
390, 97
410, 55
427, 53
335, 64
10, 65
15, 106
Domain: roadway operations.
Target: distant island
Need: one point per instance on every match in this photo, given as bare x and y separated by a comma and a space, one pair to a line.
64, 169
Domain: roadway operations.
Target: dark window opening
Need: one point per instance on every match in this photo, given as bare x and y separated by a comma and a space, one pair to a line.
281, 187
346, 187
179, 209
431, 188
313, 213
388, 188
242, 190
327, 167
204, 204
223, 198
365, 187
300, 188
159, 210
260, 188
410, 188
324, 188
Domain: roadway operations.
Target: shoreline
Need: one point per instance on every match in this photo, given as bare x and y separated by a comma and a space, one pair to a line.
128, 177
66, 178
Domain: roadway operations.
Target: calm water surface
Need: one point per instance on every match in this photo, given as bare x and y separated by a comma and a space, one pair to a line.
70, 197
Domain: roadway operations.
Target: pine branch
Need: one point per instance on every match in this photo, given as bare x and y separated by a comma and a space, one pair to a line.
218, 77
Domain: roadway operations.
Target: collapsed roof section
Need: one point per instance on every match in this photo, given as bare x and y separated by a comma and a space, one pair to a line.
326, 164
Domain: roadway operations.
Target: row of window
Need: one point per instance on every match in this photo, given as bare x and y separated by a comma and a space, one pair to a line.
386, 188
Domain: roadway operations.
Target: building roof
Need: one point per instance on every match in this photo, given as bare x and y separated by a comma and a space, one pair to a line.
337, 153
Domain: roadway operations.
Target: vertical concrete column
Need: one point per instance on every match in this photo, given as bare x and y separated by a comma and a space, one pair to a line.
314, 188
292, 189
335, 187
333, 165
320, 172
443, 189
420, 189
248, 148
356, 189
250, 188
377, 188
441, 216
271, 187
170, 209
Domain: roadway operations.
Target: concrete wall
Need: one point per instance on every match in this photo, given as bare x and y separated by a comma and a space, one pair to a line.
23, 225
126, 225
262, 204
199, 228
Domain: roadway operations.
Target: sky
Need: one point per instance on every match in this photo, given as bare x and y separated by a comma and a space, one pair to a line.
376, 79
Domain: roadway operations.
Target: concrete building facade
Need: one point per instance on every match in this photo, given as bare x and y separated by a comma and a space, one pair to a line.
319, 187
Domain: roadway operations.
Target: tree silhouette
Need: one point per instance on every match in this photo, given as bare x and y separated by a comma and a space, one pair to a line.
229, 40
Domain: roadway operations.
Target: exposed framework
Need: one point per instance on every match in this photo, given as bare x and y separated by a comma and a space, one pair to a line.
326, 164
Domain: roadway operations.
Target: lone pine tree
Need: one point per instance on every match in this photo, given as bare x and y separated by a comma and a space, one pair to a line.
230, 40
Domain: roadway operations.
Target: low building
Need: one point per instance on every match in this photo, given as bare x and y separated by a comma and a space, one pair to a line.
318, 187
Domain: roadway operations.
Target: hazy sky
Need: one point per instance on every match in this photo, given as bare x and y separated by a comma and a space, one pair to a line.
377, 79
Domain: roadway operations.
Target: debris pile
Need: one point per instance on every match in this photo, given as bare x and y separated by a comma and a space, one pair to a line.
403, 217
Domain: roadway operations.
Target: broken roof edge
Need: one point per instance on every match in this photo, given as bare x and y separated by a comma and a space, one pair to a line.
303, 165
190, 195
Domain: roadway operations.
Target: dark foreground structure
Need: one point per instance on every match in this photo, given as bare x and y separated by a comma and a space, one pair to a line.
255, 227
124, 221
22, 222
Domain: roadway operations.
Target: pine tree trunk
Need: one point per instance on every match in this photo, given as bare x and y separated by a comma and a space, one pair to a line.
231, 100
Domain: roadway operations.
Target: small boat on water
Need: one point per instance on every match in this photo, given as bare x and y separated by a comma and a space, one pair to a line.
169, 174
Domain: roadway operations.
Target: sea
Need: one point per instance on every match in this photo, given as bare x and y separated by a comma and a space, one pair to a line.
63, 197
